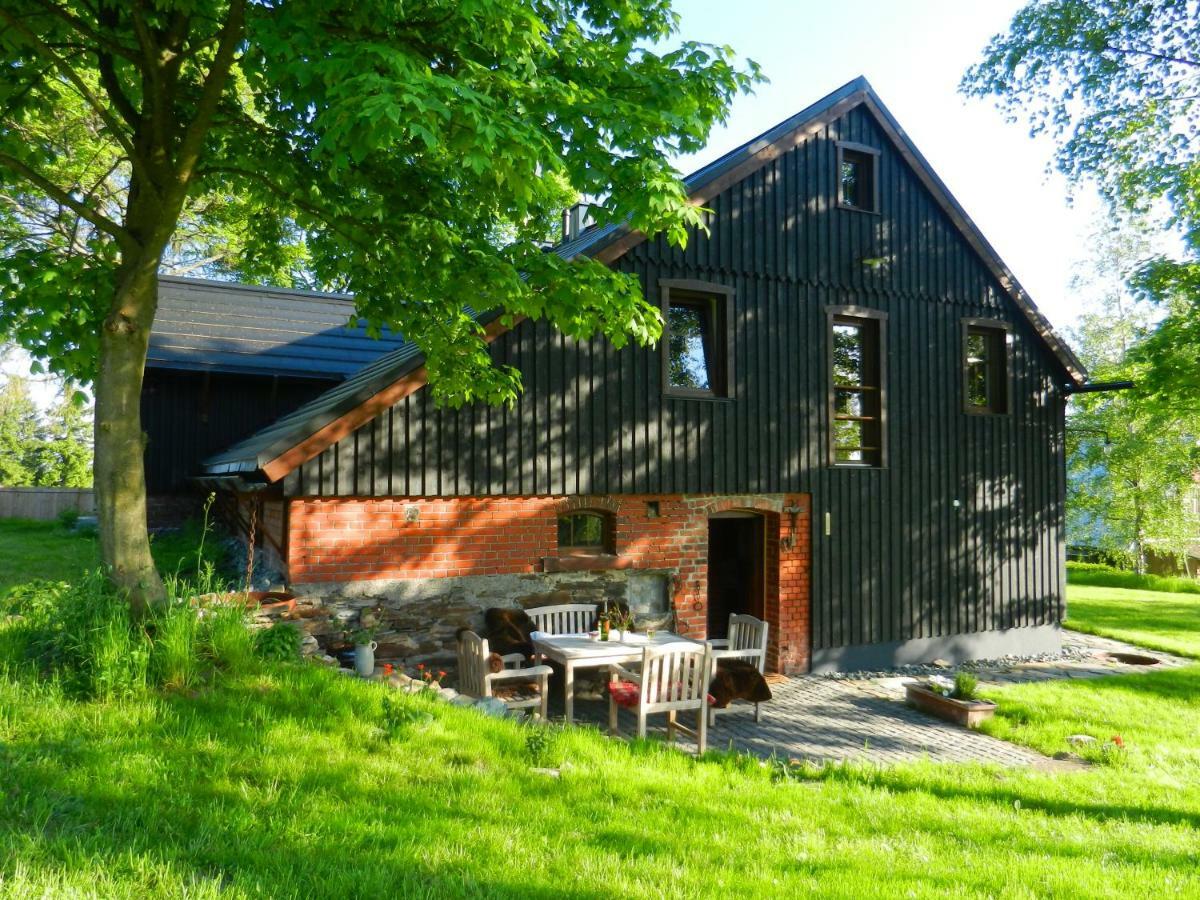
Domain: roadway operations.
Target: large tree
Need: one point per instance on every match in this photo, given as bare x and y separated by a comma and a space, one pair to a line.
1117, 84
413, 152
1130, 459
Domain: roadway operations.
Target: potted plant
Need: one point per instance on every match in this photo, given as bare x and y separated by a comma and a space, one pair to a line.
620, 622
364, 651
955, 701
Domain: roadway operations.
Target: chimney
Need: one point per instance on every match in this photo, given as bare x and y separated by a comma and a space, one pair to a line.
574, 221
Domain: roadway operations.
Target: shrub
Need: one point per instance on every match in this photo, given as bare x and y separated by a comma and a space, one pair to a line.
279, 643
542, 745
966, 686
68, 518
1099, 575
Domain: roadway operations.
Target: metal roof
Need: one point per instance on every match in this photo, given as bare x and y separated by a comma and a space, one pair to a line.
217, 326
260, 449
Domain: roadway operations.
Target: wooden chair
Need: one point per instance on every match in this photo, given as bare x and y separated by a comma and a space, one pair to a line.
674, 678
476, 680
747, 640
567, 618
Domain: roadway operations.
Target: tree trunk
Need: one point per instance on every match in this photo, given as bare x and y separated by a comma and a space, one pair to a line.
120, 482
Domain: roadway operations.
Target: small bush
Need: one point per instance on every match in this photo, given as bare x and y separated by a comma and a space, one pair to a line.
543, 745
68, 518
279, 643
1099, 575
966, 686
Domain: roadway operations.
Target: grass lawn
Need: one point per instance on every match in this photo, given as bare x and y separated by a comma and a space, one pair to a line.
30, 550
296, 781
46, 550
1161, 621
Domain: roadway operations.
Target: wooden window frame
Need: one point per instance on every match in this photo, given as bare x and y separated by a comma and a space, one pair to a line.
688, 290
839, 315
993, 328
871, 153
607, 545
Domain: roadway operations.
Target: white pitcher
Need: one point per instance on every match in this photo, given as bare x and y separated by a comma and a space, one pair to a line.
364, 658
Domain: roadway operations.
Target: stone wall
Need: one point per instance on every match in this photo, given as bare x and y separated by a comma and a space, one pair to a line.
418, 618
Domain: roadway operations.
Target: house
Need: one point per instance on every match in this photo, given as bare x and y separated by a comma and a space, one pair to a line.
225, 360
852, 427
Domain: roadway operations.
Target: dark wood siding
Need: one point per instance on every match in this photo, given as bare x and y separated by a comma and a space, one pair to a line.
963, 529
191, 415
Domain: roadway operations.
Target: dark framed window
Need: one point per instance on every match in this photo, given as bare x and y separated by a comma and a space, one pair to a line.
696, 338
858, 177
585, 532
857, 394
985, 366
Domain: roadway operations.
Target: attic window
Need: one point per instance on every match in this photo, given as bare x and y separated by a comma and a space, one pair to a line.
857, 170
985, 367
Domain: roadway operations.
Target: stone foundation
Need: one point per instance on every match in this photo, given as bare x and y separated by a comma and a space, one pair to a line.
418, 619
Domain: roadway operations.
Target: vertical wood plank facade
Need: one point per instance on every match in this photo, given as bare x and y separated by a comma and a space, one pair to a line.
961, 532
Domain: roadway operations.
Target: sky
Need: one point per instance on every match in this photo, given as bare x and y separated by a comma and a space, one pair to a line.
914, 53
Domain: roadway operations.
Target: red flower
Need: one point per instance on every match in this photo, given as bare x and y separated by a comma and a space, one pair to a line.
1116, 739
420, 665
441, 674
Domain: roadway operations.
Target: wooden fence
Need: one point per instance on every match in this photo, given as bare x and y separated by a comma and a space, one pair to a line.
44, 503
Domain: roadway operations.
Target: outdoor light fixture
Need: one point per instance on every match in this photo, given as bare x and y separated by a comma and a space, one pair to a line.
790, 541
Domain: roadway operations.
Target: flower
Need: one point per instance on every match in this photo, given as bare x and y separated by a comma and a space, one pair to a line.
441, 674
1117, 740
420, 665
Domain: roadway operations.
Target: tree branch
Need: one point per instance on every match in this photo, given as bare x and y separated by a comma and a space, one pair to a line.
101, 110
1161, 57
214, 86
79, 25
58, 195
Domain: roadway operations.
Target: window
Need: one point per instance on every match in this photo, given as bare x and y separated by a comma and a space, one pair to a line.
856, 438
985, 367
585, 533
695, 339
857, 167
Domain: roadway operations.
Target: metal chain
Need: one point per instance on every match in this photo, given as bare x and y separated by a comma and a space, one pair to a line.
250, 550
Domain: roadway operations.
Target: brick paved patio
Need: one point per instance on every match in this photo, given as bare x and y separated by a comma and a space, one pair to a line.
832, 719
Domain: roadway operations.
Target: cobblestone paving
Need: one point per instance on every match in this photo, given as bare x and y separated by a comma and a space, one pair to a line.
822, 719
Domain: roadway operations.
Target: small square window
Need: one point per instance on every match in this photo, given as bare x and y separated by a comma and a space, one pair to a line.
695, 343
856, 178
985, 369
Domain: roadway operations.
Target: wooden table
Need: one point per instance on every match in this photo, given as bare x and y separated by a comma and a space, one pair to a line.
578, 651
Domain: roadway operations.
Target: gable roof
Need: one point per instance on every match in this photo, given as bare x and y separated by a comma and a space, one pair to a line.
217, 326
298, 437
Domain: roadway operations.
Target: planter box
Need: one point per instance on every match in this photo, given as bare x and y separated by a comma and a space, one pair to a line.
961, 712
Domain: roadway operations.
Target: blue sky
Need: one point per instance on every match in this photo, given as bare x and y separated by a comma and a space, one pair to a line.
914, 53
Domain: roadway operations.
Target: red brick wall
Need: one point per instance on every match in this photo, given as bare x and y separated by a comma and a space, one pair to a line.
350, 539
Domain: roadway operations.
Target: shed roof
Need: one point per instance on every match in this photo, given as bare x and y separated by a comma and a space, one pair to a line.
303, 434
216, 326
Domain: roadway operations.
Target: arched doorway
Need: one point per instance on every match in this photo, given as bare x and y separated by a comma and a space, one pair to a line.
737, 568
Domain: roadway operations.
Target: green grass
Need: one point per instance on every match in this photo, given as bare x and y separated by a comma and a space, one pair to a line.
1168, 622
1099, 575
295, 781
283, 784
30, 550
46, 550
